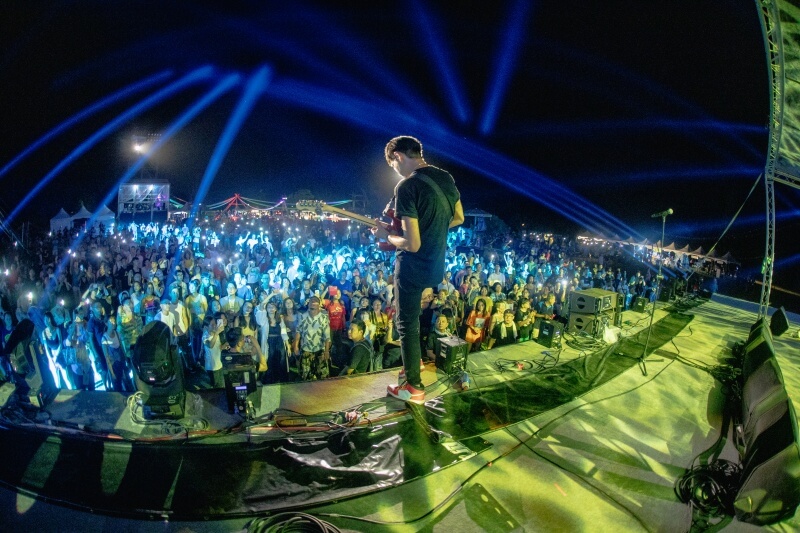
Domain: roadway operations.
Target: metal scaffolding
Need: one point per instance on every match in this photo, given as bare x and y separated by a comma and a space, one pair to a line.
783, 154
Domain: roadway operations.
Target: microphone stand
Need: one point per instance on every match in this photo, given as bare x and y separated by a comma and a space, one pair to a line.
642, 364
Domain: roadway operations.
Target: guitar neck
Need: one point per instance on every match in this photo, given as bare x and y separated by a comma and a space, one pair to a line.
347, 214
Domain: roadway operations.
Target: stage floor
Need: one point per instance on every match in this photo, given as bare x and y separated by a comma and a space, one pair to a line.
605, 460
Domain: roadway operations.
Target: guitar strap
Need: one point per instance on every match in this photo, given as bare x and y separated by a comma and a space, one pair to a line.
444, 202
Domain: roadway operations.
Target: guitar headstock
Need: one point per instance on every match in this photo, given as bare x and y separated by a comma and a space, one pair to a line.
310, 205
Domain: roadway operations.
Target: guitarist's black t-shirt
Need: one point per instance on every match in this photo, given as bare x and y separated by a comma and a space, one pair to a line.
414, 198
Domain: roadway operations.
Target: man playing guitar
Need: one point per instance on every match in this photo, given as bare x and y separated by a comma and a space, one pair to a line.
427, 203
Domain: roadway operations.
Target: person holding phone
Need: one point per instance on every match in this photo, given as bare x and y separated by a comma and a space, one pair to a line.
212, 349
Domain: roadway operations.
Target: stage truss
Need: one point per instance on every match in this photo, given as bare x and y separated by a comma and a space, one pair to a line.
780, 23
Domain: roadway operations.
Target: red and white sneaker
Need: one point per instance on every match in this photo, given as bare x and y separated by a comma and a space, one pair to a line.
401, 377
407, 393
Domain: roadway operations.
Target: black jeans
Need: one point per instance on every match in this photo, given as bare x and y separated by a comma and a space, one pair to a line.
407, 323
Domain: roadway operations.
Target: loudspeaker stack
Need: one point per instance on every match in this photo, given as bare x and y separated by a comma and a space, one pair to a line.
770, 481
592, 310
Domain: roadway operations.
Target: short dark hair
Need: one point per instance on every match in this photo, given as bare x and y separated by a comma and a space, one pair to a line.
233, 336
404, 144
360, 325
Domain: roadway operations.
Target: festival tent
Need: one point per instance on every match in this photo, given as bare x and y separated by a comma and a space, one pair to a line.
105, 216
61, 221
479, 217
83, 214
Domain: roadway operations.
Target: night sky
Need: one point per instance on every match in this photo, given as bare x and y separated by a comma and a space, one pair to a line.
570, 116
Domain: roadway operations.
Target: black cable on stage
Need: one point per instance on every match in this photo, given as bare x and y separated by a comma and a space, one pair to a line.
520, 443
608, 496
291, 522
711, 488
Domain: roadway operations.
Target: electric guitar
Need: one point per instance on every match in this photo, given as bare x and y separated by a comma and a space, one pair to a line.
394, 226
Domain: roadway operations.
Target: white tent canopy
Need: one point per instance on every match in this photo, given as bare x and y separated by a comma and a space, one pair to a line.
63, 220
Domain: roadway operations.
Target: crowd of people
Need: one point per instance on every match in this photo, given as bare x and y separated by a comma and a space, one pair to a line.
307, 298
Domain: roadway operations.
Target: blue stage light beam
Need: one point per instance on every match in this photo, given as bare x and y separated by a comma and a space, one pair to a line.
505, 63
590, 128
694, 228
191, 78
390, 119
227, 83
295, 50
360, 56
787, 261
86, 113
442, 63
255, 87
711, 173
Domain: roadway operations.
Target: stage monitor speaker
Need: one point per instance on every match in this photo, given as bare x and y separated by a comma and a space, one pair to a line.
592, 301
765, 382
550, 333
640, 305
666, 293
760, 323
159, 373
779, 322
589, 324
451, 354
757, 350
770, 482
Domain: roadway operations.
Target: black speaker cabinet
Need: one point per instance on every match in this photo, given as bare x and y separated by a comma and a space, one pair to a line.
758, 349
592, 301
764, 383
779, 322
666, 293
640, 305
451, 354
550, 333
760, 323
590, 324
770, 484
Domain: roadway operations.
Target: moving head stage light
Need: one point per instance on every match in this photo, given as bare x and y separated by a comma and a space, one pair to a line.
159, 374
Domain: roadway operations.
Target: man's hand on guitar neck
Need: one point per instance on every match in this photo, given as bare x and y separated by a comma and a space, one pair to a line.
381, 230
